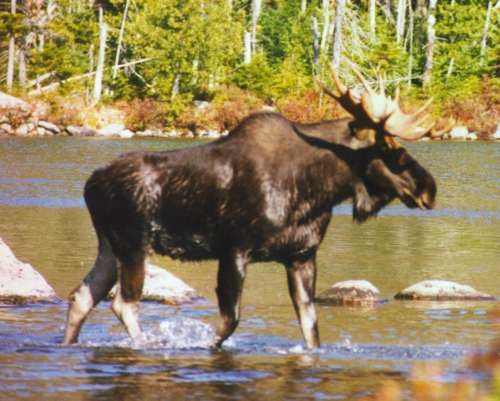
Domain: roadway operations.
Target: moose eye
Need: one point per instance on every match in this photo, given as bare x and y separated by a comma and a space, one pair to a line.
385, 150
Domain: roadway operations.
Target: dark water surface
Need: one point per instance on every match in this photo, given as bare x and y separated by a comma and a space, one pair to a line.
43, 220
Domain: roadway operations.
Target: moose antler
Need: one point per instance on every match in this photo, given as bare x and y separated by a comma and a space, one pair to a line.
378, 111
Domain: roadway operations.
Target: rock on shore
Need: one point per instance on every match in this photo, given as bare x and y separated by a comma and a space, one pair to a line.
20, 283
161, 285
352, 292
442, 290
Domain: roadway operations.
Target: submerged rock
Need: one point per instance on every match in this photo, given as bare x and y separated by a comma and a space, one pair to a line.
161, 285
352, 292
442, 290
20, 283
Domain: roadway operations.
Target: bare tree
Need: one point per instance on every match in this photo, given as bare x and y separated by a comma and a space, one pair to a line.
431, 37
12, 51
22, 62
256, 8
372, 10
400, 21
315, 39
410, 48
326, 23
387, 9
100, 60
337, 38
248, 47
120, 38
485, 34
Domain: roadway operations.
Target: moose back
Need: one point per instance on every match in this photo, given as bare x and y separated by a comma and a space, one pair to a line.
263, 193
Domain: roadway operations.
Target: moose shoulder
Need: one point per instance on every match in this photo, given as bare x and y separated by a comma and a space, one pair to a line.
263, 193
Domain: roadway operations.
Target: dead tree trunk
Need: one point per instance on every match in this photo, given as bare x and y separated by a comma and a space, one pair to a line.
410, 47
12, 52
387, 10
337, 38
431, 37
248, 47
315, 40
22, 63
485, 34
120, 38
100, 63
326, 23
400, 22
256, 7
372, 16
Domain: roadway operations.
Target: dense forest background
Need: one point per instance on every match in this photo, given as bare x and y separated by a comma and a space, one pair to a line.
153, 59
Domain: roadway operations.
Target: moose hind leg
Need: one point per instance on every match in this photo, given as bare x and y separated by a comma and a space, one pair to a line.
128, 295
230, 278
93, 289
301, 275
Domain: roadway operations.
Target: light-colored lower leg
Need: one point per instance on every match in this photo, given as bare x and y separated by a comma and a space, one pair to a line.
127, 312
301, 282
309, 324
94, 288
80, 304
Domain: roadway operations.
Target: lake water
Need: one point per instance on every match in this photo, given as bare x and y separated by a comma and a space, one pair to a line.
45, 223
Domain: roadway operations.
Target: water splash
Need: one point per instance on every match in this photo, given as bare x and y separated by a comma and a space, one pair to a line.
179, 333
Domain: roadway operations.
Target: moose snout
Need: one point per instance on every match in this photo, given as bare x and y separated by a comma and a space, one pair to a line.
426, 201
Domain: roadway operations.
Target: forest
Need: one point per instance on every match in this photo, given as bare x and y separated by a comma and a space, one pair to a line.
156, 60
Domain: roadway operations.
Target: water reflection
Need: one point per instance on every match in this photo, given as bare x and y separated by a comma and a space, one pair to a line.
43, 220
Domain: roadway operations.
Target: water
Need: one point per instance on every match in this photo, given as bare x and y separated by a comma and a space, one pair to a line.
43, 220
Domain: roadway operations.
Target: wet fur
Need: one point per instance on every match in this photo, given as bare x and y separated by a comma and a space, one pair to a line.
263, 193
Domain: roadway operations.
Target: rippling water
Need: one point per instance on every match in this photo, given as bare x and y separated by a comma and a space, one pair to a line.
43, 220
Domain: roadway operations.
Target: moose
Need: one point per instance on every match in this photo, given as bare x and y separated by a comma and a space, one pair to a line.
265, 192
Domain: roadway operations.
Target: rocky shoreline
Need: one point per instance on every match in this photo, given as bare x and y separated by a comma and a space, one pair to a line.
115, 130
19, 118
22, 119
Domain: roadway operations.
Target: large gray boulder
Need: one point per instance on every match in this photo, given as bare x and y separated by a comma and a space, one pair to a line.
73, 130
161, 285
352, 292
442, 290
20, 283
459, 133
8, 102
112, 129
49, 127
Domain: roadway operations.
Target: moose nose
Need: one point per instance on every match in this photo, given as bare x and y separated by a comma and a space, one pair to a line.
426, 201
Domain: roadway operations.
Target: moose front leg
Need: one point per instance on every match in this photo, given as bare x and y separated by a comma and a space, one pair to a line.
230, 278
301, 275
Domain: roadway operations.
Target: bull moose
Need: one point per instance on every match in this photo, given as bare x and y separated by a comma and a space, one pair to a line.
265, 192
